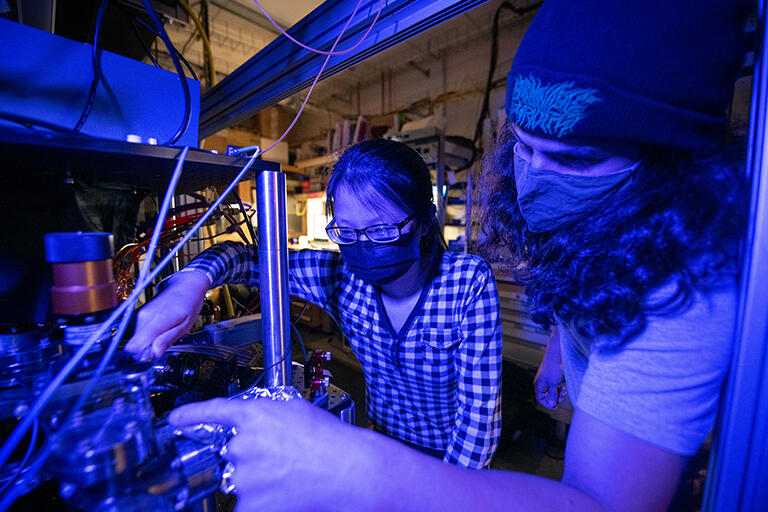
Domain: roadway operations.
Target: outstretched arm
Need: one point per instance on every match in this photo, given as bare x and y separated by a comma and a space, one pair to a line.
295, 456
313, 276
548, 384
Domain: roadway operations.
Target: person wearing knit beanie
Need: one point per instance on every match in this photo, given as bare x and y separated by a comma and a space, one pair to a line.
620, 207
623, 205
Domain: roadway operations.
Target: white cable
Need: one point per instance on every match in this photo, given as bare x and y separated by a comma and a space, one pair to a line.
149, 257
311, 88
42, 399
45, 396
321, 52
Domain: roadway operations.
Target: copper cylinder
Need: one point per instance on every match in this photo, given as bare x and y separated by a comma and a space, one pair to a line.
83, 287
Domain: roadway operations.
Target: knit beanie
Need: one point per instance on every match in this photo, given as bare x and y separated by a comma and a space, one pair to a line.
658, 72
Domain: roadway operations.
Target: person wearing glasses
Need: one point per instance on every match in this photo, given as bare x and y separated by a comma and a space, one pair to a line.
622, 207
423, 321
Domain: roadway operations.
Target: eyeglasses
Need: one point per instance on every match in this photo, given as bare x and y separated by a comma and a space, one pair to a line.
379, 233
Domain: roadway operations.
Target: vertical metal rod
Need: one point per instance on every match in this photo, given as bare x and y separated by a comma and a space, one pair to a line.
273, 276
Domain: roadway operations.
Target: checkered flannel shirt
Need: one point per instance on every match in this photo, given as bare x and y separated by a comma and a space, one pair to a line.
437, 383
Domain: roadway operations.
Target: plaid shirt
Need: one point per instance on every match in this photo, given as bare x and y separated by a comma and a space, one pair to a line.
437, 383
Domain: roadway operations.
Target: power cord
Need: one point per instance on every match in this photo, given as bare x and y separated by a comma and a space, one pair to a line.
491, 71
314, 50
175, 51
96, 63
179, 70
246, 216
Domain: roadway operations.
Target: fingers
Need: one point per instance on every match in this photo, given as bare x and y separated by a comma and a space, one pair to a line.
562, 392
155, 333
169, 337
149, 325
159, 320
550, 397
546, 393
230, 413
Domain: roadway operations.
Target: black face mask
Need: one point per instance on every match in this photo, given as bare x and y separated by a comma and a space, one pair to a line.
378, 263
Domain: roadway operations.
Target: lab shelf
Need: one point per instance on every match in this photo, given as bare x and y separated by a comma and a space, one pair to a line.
29, 154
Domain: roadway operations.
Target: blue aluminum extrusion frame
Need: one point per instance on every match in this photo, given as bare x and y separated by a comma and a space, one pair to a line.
738, 469
283, 68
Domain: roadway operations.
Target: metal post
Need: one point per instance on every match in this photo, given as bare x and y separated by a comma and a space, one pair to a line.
273, 276
739, 459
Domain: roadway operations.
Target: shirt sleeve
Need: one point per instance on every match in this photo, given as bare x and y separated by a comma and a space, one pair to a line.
477, 427
312, 275
663, 386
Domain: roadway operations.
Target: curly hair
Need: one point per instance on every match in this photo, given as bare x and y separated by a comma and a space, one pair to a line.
679, 220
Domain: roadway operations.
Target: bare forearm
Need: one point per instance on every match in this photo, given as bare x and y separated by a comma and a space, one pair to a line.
402, 479
552, 352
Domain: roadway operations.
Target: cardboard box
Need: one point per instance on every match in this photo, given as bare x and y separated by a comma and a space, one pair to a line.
273, 122
279, 153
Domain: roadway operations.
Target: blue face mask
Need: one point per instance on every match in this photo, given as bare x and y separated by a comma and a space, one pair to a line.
382, 263
547, 199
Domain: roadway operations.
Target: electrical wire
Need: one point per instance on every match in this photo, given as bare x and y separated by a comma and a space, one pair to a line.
264, 371
179, 70
177, 52
246, 149
301, 109
317, 78
301, 342
96, 64
20, 469
296, 330
314, 50
141, 282
247, 218
491, 71
13, 440
206, 41
29, 122
42, 399
232, 221
147, 51
130, 305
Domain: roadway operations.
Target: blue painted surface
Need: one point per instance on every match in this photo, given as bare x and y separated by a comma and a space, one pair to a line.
282, 69
47, 77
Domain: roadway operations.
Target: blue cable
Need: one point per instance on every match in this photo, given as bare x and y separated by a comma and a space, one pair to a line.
98, 76
149, 256
141, 282
179, 71
18, 433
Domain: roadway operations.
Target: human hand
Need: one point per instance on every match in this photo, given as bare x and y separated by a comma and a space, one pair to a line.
289, 455
170, 315
548, 384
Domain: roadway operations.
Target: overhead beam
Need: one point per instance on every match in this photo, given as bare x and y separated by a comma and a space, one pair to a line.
283, 69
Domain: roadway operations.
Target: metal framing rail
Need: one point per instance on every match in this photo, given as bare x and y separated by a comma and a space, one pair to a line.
739, 459
283, 69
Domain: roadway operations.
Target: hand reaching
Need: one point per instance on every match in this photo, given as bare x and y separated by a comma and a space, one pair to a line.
169, 315
290, 455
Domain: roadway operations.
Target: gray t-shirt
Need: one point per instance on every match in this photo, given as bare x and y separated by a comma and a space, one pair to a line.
663, 386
